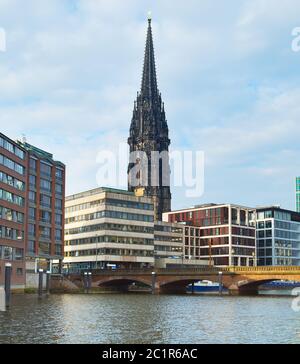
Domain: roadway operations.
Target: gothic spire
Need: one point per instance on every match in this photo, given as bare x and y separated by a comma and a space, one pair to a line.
149, 89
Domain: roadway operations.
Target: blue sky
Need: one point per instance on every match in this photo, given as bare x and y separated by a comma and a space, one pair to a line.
226, 70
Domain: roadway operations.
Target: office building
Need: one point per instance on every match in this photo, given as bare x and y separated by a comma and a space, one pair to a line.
278, 236
45, 210
219, 233
106, 228
13, 162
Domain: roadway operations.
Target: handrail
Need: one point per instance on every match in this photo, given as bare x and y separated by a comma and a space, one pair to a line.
203, 269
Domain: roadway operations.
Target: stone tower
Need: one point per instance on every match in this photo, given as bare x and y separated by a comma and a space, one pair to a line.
149, 135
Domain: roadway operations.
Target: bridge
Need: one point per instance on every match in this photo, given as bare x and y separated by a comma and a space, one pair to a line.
238, 280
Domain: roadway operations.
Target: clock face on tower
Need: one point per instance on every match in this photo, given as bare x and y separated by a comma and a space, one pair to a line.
149, 134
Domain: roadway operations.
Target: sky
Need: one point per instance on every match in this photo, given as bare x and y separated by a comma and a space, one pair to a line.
226, 70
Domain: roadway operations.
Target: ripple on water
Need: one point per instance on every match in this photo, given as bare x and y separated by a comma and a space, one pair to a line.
149, 319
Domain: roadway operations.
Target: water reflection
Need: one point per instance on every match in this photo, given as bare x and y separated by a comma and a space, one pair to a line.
141, 318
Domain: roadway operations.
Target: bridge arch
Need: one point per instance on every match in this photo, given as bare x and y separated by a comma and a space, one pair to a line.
179, 285
121, 281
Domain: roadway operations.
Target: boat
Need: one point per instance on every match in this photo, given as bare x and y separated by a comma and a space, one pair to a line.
204, 287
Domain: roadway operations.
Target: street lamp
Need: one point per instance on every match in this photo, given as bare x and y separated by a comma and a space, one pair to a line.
220, 282
210, 259
254, 259
232, 256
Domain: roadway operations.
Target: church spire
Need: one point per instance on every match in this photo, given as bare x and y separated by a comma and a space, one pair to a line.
149, 89
149, 133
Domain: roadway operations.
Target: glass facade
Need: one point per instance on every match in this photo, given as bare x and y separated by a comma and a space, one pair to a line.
278, 237
298, 194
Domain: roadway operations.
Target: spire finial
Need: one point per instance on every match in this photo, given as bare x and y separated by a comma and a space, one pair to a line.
149, 16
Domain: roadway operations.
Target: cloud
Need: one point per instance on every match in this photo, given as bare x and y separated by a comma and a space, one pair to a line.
229, 79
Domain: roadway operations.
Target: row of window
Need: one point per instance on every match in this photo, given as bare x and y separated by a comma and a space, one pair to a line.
168, 229
11, 215
45, 201
45, 185
9, 253
12, 148
110, 239
10, 233
111, 202
110, 226
168, 238
12, 181
111, 214
9, 163
44, 232
165, 248
43, 248
11, 197
107, 251
45, 216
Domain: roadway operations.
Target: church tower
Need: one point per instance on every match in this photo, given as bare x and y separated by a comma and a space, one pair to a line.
149, 135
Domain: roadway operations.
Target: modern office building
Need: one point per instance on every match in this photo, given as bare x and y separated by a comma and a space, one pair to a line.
13, 162
106, 228
168, 240
45, 210
298, 194
219, 233
278, 236
32, 191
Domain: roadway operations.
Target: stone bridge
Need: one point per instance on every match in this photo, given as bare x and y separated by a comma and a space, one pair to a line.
238, 280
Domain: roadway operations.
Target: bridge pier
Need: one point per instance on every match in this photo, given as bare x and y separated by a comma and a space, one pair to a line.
243, 291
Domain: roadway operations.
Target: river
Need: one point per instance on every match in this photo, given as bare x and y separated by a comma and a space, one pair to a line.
143, 318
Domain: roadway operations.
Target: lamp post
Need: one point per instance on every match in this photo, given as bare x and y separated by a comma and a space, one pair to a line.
220, 283
153, 281
7, 285
254, 259
40, 289
232, 256
209, 249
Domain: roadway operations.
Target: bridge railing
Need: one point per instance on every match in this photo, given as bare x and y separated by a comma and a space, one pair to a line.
203, 269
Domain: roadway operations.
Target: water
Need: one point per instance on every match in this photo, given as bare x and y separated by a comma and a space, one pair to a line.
142, 318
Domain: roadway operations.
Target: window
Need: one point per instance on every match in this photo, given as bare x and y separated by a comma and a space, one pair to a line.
12, 165
58, 219
32, 213
58, 188
45, 185
32, 196
32, 181
19, 271
58, 235
45, 200
59, 173
31, 247
45, 216
10, 197
45, 232
45, 169
44, 248
12, 148
58, 204
32, 164
31, 229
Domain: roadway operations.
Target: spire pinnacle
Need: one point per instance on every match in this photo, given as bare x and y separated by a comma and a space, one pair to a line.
149, 83
149, 16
